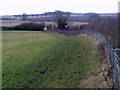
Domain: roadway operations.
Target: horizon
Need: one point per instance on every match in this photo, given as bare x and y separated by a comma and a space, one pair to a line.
18, 7
62, 11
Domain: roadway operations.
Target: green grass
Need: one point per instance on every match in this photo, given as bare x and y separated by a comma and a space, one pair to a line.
44, 59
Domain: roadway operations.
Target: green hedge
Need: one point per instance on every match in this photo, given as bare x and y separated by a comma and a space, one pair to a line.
27, 27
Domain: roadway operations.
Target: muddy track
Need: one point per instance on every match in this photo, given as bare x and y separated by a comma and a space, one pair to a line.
42, 73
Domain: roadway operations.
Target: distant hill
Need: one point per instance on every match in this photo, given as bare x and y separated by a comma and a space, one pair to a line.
49, 16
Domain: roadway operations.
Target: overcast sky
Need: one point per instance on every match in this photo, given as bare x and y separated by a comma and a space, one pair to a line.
10, 7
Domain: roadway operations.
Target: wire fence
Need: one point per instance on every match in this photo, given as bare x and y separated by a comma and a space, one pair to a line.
111, 54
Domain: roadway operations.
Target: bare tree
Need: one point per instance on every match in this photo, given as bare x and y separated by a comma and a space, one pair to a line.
106, 25
24, 16
61, 18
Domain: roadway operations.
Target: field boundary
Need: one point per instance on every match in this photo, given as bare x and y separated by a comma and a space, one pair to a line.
111, 54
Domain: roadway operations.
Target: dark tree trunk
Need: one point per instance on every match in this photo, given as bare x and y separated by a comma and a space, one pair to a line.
118, 30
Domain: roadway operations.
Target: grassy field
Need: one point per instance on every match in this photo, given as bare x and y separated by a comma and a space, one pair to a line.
44, 59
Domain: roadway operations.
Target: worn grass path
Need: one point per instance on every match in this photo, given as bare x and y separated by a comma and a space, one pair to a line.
44, 59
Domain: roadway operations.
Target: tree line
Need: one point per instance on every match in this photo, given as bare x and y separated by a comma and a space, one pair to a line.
107, 25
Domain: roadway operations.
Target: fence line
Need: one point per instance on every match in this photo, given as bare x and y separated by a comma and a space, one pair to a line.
111, 54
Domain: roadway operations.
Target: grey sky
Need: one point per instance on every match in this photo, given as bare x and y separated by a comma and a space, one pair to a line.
9, 7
